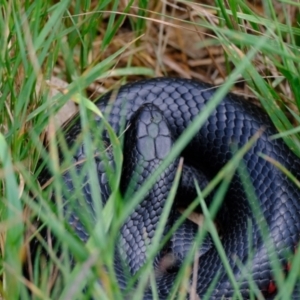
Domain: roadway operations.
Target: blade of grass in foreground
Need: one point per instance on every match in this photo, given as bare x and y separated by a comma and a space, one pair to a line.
262, 225
156, 244
13, 217
220, 194
287, 288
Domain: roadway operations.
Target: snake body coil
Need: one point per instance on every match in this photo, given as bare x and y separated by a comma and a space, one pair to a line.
158, 111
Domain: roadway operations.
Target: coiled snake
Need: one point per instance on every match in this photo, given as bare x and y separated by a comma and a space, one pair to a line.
158, 111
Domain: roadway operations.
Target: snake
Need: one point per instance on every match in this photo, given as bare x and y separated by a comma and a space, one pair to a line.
152, 114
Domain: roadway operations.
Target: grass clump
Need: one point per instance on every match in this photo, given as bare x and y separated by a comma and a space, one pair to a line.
95, 46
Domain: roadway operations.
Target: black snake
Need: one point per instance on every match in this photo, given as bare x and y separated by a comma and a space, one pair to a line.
158, 111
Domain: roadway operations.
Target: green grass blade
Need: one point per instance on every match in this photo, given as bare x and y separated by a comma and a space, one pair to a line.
12, 209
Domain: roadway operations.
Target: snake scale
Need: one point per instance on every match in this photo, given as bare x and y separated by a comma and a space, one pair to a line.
158, 111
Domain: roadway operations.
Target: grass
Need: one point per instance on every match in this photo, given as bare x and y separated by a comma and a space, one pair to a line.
99, 45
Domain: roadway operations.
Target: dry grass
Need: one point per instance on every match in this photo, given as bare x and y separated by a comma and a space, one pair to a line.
172, 45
